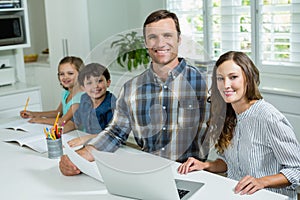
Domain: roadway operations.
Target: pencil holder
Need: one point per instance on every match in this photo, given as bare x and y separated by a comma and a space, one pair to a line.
54, 148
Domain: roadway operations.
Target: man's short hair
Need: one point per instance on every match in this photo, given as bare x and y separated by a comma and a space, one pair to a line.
159, 15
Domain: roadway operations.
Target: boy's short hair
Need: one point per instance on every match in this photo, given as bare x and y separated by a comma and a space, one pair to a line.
92, 69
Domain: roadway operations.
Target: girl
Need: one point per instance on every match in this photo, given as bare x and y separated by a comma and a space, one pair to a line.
256, 143
68, 70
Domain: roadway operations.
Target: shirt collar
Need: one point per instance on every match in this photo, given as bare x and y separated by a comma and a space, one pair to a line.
172, 74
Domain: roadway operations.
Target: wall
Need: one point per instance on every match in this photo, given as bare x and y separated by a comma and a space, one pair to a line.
107, 18
37, 23
283, 92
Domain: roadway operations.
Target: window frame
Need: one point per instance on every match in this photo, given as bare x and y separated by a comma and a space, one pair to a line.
286, 68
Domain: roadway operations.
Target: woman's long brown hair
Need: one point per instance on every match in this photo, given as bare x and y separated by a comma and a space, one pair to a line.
222, 116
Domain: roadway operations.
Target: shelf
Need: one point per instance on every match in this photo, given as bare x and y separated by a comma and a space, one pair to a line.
21, 12
11, 9
11, 52
15, 88
16, 46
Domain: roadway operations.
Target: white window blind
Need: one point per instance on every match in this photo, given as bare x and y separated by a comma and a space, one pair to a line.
267, 30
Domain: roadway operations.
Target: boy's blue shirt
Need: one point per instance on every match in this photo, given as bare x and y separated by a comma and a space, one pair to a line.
94, 120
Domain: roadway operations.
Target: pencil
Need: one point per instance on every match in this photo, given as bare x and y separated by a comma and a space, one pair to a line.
45, 132
26, 104
56, 120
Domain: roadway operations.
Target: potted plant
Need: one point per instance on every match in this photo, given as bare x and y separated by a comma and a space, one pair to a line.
131, 51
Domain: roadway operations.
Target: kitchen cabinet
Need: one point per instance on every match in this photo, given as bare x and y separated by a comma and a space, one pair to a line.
13, 99
12, 55
68, 34
14, 90
67, 29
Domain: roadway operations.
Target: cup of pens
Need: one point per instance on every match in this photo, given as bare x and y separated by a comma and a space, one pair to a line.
54, 143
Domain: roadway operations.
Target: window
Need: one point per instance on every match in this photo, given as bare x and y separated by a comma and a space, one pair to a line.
267, 30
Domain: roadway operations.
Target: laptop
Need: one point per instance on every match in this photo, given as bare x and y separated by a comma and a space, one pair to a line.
142, 176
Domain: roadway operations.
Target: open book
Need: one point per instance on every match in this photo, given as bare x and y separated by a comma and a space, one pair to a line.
20, 124
33, 141
36, 142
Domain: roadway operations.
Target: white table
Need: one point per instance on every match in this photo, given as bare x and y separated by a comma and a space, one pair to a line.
28, 175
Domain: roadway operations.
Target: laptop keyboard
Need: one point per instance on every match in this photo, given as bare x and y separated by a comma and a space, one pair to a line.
182, 193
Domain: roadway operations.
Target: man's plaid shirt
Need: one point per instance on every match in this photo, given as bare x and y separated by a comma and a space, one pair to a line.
166, 118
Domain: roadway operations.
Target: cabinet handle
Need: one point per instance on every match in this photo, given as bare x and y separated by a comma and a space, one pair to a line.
65, 47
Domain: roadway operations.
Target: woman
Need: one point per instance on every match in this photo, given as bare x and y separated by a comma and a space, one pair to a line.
257, 145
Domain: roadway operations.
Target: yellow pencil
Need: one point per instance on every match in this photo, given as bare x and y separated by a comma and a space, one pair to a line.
56, 120
26, 104
45, 132
53, 134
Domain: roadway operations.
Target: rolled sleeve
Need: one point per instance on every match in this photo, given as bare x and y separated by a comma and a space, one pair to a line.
287, 151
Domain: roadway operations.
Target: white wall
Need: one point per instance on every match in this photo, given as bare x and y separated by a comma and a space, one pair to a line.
105, 18
38, 31
110, 17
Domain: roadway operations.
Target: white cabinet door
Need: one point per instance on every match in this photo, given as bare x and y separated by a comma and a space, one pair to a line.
67, 20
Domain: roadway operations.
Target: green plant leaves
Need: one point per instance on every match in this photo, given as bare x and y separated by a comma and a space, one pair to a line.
131, 51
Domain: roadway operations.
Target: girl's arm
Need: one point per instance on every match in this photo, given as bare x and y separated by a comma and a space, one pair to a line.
45, 114
47, 117
50, 120
69, 126
68, 116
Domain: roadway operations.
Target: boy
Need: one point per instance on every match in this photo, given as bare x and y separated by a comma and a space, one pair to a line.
96, 106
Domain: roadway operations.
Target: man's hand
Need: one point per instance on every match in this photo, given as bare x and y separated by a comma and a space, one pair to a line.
68, 168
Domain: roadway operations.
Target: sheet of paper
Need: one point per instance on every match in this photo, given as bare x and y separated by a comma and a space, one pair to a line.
89, 168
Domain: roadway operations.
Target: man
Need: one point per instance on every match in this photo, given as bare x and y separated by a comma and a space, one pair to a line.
164, 107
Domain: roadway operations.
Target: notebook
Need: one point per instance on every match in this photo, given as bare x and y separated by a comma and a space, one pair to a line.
142, 176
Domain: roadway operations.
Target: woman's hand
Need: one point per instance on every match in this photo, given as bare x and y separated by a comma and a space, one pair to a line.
191, 164
249, 185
